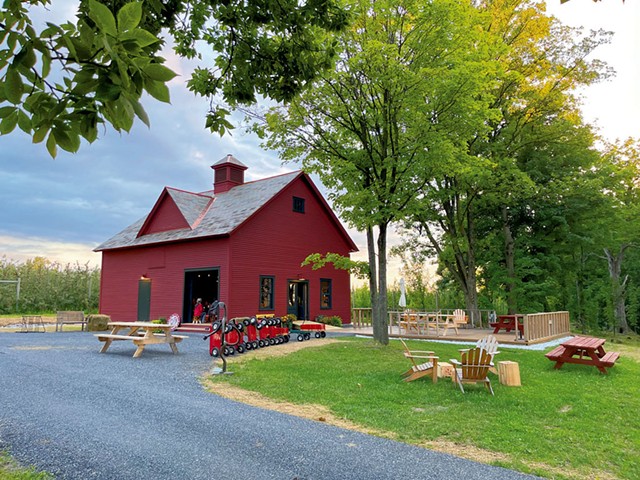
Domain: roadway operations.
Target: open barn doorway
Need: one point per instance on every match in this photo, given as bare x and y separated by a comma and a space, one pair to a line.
199, 283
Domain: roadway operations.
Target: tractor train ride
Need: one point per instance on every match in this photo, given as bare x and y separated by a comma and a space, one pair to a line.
242, 334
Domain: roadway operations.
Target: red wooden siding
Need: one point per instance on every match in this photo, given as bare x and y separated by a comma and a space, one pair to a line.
273, 242
122, 269
166, 216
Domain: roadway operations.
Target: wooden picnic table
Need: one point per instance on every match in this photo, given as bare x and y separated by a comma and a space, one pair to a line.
584, 351
141, 334
508, 322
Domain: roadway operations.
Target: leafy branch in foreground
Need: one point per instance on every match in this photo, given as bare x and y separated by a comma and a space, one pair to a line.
60, 83
317, 261
105, 62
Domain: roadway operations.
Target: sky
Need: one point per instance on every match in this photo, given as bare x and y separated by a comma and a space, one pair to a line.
63, 208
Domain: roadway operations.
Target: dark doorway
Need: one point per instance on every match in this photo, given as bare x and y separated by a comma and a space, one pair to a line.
199, 283
144, 299
298, 299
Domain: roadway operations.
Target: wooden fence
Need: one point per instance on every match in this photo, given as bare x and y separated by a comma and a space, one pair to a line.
546, 325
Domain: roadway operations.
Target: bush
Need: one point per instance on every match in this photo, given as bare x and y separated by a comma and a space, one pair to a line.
334, 320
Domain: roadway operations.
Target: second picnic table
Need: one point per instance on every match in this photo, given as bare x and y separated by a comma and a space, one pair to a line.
585, 351
508, 322
141, 334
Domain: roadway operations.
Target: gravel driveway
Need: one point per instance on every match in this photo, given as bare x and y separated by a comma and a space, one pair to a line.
83, 415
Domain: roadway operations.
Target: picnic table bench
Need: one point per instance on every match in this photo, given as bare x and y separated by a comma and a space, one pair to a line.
508, 323
583, 351
141, 334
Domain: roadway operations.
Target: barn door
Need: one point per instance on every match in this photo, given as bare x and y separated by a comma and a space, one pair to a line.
144, 300
298, 299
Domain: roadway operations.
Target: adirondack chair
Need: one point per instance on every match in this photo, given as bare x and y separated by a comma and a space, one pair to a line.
459, 318
473, 368
418, 369
490, 344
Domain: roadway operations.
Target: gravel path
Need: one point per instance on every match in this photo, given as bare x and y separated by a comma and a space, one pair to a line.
83, 415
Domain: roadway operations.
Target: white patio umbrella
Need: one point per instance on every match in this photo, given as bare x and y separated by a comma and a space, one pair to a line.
403, 299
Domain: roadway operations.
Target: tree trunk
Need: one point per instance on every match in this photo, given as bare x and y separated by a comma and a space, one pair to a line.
618, 287
373, 280
509, 260
381, 334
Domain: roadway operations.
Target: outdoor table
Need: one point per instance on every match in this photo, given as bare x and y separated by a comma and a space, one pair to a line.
509, 322
584, 351
141, 334
32, 323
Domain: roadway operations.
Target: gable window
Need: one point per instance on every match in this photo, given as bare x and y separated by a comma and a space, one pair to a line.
298, 204
325, 293
266, 292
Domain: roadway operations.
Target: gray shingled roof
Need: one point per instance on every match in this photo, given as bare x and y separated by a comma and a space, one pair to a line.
227, 212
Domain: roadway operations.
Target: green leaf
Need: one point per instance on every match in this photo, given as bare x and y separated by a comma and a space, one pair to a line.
142, 37
52, 148
141, 114
157, 90
39, 134
67, 140
102, 17
6, 111
13, 87
159, 72
9, 123
129, 16
24, 122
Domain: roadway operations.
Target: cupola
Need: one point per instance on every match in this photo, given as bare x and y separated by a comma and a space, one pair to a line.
227, 173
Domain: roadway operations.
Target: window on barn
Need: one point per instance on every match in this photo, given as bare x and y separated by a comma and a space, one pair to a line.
266, 292
298, 204
325, 293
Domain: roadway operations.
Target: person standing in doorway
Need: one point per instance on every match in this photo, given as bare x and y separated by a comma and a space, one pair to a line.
197, 311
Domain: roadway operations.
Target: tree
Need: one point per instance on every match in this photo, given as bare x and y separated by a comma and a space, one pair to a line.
542, 62
406, 93
62, 82
623, 231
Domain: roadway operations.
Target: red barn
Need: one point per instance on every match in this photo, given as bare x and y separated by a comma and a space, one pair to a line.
241, 243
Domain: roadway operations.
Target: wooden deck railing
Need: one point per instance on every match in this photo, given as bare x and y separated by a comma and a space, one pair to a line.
537, 326
546, 325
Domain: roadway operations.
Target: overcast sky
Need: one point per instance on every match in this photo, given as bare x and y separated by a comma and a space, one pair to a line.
63, 208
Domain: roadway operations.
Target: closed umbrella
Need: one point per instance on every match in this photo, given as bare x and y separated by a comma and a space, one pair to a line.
403, 299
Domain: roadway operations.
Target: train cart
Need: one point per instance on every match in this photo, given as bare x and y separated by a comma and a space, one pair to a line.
316, 328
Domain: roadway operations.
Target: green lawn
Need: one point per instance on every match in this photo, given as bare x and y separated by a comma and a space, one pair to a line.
569, 423
10, 470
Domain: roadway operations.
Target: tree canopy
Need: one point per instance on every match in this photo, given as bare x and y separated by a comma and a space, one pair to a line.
60, 82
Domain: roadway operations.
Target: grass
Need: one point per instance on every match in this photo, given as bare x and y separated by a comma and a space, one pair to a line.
563, 424
10, 470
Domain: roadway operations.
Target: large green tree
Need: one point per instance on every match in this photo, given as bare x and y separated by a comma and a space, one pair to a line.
61, 82
542, 63
407, 93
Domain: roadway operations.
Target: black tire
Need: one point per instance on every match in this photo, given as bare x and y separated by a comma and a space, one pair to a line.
246, 322
254, 344
323, 334
307, 336
215, 327
249, 346
286, 338
240, 348
272, 341
317, 334
300, 337
214, 352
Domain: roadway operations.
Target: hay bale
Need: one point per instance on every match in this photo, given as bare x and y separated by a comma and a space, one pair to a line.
98, 323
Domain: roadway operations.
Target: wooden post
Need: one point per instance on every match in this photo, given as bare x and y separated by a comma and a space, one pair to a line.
509, 373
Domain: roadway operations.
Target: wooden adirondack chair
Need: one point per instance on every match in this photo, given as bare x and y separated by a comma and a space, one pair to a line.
420, 369
490, 344
474, 368
459, 318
